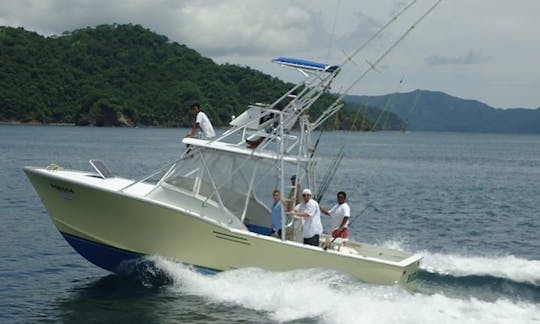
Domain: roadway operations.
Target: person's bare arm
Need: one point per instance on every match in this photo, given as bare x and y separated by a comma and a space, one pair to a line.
300, 213
193, 130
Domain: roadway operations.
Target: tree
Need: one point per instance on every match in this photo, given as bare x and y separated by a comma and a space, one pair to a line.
96, 76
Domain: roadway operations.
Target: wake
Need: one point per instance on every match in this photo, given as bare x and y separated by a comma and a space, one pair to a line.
498, 266
506, 267
327, 296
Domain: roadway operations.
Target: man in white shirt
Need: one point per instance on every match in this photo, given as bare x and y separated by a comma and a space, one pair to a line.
340, 213
311, 216
202, 122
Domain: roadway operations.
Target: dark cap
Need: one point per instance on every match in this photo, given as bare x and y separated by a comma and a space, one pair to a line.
293, 177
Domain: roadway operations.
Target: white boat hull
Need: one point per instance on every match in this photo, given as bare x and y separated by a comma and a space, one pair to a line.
108, 226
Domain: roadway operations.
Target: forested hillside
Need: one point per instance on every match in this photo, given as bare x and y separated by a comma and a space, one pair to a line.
438, 111
126, 74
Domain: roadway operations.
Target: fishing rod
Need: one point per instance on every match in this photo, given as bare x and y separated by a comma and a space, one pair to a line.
330, 174
350, 223
393, 19
338, 103
316, 145
373, 65
335, 106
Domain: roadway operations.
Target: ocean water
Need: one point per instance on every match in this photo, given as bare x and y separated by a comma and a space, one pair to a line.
470, 203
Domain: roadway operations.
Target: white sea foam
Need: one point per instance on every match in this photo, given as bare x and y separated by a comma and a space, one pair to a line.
332, 297
509, 266
503, 266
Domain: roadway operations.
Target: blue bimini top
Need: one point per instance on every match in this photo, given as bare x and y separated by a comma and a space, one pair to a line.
305, 64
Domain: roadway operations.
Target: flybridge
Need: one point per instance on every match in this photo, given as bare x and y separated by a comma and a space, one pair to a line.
305, 64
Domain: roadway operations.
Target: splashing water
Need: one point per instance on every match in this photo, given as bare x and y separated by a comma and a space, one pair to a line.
332, 297
502, 266
509, 266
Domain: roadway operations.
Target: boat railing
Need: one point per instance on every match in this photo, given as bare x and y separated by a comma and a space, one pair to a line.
166, 168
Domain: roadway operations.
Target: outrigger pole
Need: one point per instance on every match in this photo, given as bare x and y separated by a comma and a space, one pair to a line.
373, 65
329, 175
338, 103
350, 57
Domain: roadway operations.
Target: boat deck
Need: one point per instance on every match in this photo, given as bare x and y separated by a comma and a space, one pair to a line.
365, 250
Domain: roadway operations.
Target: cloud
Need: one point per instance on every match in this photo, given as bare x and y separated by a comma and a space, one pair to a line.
251, 32
244, 27
52, 17
364, 27
471, 57
213, 27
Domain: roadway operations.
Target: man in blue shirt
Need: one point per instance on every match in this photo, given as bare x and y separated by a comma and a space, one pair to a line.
276, 214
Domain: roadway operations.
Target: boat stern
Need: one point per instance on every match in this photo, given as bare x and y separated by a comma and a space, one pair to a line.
411, 270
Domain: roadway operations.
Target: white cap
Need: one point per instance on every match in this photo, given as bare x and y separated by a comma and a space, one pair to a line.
306, 192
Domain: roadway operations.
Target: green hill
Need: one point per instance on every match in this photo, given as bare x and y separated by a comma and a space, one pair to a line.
437, 111
125, 74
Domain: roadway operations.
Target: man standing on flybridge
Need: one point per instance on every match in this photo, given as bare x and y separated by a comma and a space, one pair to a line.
202, 122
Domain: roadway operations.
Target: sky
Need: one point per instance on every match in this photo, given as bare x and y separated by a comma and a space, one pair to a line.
485, 50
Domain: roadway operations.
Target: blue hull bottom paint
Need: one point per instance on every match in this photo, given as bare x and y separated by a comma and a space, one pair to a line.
111, 258
104, 256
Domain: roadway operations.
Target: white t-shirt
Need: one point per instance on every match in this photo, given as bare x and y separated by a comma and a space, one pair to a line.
312, 224
205, 124
338, 212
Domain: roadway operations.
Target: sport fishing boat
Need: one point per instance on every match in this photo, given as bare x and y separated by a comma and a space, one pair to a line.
210, 208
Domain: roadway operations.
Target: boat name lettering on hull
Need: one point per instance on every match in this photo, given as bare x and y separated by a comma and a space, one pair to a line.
412, 276
67, 193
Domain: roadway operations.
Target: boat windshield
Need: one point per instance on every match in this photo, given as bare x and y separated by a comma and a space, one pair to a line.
238, 186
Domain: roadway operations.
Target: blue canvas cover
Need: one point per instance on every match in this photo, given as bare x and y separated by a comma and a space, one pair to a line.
305, 64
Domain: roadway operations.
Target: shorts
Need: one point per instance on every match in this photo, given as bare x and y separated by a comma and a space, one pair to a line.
343, 233
314, 240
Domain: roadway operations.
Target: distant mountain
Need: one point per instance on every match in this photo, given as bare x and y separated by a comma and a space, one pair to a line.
438, 111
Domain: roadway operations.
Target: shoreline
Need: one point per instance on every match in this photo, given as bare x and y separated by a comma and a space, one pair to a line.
35, 123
